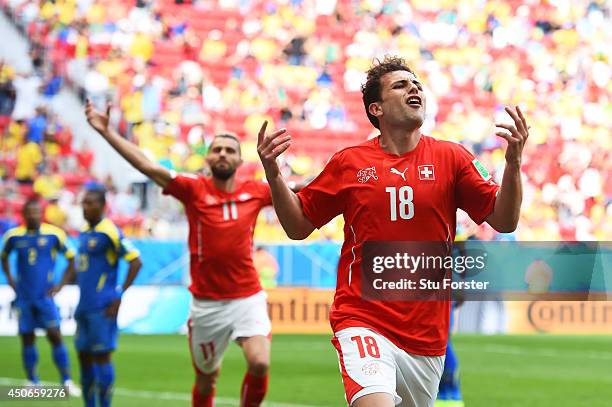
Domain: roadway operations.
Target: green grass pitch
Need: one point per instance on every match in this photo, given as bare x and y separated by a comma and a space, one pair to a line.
498, 371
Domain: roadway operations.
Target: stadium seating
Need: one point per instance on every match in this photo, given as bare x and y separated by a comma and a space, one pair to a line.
550, 60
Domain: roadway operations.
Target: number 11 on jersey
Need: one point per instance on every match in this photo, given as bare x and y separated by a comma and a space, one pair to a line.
406, 206
230, 211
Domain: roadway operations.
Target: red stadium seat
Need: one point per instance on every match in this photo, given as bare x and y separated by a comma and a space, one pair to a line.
73, 181
25, 190
17, 204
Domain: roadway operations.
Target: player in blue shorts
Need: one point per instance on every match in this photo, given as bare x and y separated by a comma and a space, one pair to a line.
36, 245
449, 394
101, 245
449, 391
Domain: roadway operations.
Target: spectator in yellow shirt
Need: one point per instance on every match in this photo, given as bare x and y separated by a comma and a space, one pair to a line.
54, 214
48, 185
141, 47
29, 156
213, 48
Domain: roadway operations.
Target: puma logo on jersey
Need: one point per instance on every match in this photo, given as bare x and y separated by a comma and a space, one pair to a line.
401, 174
364, 175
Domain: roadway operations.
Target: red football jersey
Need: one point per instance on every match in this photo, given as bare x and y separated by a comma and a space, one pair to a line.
386, 197
221, 229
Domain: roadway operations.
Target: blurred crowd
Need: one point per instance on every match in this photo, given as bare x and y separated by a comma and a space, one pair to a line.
38, 157
177, 73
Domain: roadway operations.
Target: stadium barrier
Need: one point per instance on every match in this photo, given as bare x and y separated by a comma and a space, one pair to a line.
144, 310
301, 291
300, 310
167, 263
560, 317
164, 310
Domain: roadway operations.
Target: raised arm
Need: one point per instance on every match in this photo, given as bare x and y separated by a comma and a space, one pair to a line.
130, 151
505, 215
286, 203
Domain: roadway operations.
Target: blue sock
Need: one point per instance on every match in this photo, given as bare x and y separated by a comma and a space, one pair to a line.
106, 379
60, 357
88, 382
450, 378
30, 359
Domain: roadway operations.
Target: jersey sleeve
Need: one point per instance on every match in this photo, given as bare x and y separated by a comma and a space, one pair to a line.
475, 190
181, 186
127, 250
320, 199
64, 246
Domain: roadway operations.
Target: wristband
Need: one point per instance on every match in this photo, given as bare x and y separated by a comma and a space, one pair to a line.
119, 293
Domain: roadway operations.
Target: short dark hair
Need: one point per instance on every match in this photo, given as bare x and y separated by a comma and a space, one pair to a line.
99, 193
230, 136
34, 200
371, 90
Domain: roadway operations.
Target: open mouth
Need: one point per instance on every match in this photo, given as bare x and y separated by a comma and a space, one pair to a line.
414, 101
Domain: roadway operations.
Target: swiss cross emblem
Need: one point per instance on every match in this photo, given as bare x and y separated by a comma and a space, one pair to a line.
426, 172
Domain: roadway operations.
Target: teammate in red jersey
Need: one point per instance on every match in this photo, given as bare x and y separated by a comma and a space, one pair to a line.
399, 186
228, 301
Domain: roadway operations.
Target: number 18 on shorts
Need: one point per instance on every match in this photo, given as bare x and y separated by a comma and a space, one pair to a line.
370, 363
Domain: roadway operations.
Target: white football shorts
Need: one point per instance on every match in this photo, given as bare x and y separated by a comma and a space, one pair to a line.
370, 363
213, 324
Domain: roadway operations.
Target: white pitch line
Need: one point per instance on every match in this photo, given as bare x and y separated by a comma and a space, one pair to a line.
159, 395
545, 352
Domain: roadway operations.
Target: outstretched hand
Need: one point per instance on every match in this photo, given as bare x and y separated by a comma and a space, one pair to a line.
517, 137
97, 120
269, 147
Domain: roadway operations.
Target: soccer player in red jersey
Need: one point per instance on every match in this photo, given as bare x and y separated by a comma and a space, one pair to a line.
399, 186
228, 301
